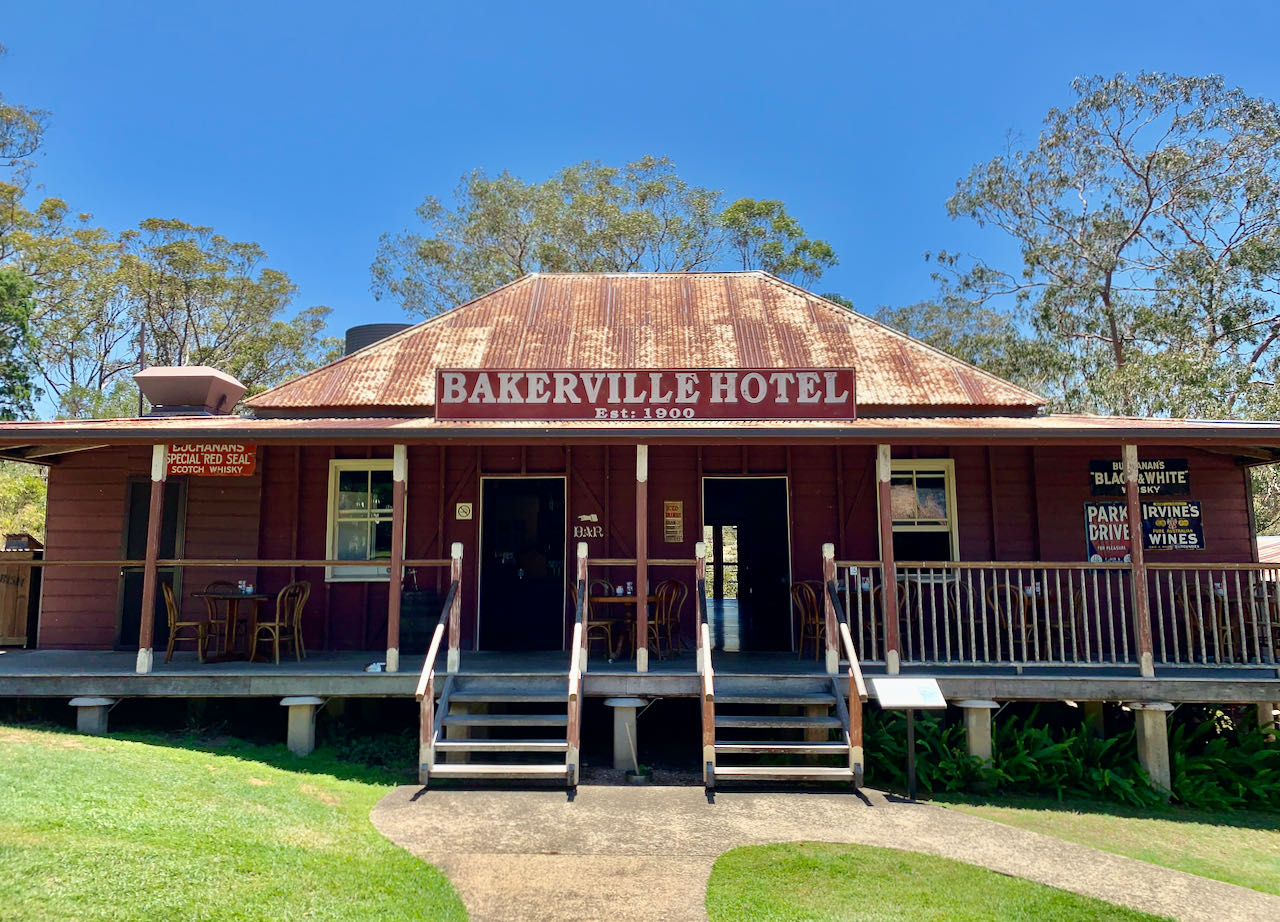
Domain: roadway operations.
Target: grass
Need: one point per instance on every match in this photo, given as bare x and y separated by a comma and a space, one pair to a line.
815, 881
112, 829
1239, 848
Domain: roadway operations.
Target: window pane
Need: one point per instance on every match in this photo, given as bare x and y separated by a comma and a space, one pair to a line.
730, 538
382, 539
353, 490
352, 541
931, 497
902, 500
382, 489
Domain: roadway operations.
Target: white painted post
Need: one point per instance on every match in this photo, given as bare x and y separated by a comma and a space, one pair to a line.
1141, 606
399, 465
584, 585
626, 743
977, 726
699, 581
150, 574
829, 610
642, 558
455, 611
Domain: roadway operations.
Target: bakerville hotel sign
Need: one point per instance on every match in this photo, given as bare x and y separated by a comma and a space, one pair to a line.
764, 393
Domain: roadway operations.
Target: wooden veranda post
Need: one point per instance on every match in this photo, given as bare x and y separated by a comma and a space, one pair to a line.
581, 579
455, 610
1141, 607
829, 610
642, 558
396, 578
888, 570
150, 575
699, 582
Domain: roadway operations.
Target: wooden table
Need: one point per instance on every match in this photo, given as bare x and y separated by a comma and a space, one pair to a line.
233, 600
627, 618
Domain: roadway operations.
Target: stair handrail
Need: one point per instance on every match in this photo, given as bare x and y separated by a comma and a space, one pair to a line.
857, 686
426, 690
577, 666
705, 668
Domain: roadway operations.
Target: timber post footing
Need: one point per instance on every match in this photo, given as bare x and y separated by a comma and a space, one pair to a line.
301, 737
1153, 741
91, 714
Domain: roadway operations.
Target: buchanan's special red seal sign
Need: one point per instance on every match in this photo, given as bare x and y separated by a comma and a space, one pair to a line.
212, 459
763, 393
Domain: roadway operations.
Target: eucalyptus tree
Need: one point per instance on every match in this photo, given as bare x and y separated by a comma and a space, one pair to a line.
588, 217
1147, 217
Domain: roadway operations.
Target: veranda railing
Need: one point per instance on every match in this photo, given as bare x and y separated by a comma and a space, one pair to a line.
1215, 614
995, 613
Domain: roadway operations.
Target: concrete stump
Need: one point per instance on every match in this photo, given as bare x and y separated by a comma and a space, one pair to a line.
626, 744
91, 714
1267, 718
301, 737
1093, 719
1153, 741
977, 726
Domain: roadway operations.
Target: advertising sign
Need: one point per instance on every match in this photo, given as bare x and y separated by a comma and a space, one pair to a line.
1165, 526
646, 396
1106, 527
1156, 477
673, 521
212, 459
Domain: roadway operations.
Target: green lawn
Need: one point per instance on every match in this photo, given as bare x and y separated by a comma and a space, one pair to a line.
1239, 848
111, 829
814, 881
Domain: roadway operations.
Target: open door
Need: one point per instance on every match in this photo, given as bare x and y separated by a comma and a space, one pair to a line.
522, 548
173, 518
745, 528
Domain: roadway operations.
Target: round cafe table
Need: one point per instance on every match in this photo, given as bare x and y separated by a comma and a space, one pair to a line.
625, 618
232, 600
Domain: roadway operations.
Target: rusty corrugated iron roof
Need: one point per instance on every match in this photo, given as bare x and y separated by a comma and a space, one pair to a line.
29, 439
648, 321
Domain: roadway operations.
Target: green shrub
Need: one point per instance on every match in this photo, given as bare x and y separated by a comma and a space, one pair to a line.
1219, 760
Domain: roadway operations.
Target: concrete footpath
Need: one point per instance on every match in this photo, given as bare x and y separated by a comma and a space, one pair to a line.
645, 853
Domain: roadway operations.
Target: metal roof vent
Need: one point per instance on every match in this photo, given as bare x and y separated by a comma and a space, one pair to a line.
369, 333
189, 390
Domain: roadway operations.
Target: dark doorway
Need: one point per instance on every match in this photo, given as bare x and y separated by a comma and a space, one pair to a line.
749, 557
522, 539
172, 518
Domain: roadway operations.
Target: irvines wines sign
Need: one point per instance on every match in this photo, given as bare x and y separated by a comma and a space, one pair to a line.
646, 396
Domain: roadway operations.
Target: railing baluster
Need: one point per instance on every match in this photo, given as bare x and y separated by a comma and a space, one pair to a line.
1273, 632
973, 633
1111, 616
1213, 624
1158, 613
1125, 619
1057, 595
1097, 612
1244, 635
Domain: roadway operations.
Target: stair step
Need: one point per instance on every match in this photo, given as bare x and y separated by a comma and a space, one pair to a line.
783, 748
506, 720
764, 721
470, 770
803, 698
502, 746
782, 773
510, 696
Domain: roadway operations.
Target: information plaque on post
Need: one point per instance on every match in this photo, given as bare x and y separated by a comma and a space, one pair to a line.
898, 693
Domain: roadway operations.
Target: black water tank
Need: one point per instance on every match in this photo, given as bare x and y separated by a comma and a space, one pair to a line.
369, 333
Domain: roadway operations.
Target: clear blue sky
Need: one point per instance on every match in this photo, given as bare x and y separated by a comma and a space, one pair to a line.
314, 127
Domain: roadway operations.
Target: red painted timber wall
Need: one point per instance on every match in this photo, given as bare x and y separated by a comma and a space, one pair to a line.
1013, 503
85, 521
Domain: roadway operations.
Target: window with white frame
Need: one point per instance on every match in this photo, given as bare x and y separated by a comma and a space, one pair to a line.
360, 493
922, 499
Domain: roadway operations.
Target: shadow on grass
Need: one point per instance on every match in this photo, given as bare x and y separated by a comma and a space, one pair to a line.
324, 761
1243, 819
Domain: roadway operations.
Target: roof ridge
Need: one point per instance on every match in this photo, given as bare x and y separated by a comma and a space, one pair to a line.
804, 292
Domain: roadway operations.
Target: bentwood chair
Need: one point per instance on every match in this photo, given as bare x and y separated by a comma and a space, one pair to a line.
287, 624
221, 624
597, 628
177, 626
812, 623
664, 627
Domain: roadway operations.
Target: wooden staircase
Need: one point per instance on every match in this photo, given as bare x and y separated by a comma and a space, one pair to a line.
780, 728
501, 727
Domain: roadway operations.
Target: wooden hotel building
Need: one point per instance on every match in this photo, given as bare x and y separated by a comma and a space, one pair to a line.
810, 499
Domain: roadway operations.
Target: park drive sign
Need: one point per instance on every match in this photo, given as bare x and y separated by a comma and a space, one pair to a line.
646, 396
